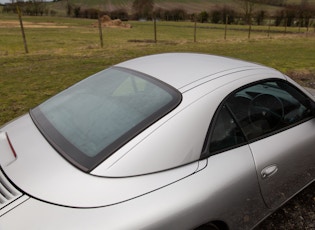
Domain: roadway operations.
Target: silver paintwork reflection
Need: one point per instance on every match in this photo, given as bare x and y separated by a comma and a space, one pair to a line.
157, 180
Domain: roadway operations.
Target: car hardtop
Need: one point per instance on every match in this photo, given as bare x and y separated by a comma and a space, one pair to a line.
183, 69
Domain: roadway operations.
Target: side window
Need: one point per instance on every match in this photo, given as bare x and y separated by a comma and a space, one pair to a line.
226, 134
268, 107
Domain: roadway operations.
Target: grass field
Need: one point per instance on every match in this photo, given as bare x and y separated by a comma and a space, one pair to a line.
63, 51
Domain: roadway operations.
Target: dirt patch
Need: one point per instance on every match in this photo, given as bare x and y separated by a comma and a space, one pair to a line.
297, 214
106, 21
165, 42
13, 24
303, 77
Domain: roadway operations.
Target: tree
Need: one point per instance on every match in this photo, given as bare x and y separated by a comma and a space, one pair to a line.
143, 8
247, 7
69, 8
220, 15
228, 14
203, 17
178, 14
76, 11
260, 16
216, 16
121, 14
274, 2
305, 11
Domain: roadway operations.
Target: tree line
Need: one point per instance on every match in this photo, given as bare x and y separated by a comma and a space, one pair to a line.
31, 8
247, 12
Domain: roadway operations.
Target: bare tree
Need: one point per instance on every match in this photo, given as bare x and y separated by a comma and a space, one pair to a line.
69, 8
247, 6
305, 11
143, 8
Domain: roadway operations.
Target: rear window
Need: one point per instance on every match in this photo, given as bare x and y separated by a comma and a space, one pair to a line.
91, 120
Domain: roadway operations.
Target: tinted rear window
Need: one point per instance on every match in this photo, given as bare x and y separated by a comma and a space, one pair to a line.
89, 121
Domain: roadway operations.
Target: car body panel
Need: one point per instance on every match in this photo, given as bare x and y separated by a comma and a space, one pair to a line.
199, 105
292, 152
188, 68
203, 195
310, 91
42, 173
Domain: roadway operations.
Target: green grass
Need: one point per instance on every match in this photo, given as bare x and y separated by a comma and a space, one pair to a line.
68, 50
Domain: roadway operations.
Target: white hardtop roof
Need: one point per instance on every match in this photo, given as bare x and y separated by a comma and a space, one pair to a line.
182, 69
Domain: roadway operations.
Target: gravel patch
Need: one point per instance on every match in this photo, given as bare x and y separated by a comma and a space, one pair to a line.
297, 214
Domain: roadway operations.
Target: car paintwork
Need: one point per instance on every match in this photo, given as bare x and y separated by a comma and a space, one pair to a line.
292, 151
196, 103
40, 157
150, 184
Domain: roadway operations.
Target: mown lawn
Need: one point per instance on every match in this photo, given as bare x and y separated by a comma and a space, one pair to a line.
63, 51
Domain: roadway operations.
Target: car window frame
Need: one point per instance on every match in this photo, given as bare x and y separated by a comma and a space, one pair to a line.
206, 147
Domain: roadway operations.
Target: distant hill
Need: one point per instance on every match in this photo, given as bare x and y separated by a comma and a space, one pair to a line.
190, 6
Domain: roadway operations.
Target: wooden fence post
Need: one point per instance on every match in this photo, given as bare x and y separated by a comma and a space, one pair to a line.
154, 20
22, 28
100, 29
249, 29
195, 28
225, 28
269, 24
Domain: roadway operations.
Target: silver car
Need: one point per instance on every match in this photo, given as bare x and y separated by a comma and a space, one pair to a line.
167, 141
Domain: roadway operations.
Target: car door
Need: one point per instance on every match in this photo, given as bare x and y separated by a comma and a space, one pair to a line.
278, 122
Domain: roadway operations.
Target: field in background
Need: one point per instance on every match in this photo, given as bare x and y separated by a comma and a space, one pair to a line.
63, 51
188, 5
